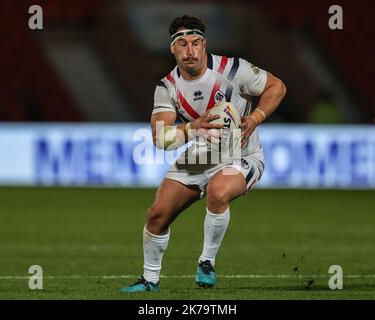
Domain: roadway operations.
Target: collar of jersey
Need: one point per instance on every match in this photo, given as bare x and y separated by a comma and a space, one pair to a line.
202, 77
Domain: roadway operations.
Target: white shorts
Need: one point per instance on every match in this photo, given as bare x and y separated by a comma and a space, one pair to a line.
251, 167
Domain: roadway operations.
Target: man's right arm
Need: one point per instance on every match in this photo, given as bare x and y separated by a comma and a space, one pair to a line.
168, 136
167, 118
163, 115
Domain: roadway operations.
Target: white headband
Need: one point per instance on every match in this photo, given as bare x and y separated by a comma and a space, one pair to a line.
186, 32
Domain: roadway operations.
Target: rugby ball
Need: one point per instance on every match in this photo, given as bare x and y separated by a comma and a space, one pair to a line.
230, 118
229, 115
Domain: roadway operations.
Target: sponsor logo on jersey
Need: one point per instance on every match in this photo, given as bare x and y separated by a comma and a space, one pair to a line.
198, 95
255, 69
244, 164
219, 96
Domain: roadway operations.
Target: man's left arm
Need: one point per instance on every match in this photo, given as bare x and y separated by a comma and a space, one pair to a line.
273, 93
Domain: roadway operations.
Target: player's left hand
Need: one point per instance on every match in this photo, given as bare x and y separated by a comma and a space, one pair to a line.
247, 126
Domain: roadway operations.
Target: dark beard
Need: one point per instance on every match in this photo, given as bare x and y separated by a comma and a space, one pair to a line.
193, 72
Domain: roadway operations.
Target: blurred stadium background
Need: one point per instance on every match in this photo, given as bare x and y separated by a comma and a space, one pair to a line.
73, 94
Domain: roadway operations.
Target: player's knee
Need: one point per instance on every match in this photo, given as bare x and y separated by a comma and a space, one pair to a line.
156, 220
217, 196
154, 214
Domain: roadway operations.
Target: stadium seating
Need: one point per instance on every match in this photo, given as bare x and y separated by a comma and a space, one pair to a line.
349, 51
31, 89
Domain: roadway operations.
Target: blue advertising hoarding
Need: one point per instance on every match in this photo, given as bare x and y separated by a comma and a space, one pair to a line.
296, 156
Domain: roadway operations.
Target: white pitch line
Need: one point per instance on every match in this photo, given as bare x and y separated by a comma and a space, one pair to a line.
238, 276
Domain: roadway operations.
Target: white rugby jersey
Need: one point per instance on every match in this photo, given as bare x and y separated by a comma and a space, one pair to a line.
233, 80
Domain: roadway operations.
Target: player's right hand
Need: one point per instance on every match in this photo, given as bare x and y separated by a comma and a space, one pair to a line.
205, 128
204, 122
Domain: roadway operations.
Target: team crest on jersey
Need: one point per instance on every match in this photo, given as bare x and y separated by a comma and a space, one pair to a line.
219, 96
244, 164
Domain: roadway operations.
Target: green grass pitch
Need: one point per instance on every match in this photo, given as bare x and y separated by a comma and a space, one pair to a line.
279, 244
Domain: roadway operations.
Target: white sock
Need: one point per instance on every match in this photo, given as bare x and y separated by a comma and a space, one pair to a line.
215, 226
153, 249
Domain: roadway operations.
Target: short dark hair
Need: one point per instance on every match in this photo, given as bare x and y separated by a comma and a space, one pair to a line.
186, 22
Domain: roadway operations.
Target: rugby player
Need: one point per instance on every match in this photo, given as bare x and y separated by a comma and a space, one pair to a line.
199, 81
